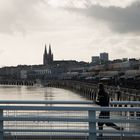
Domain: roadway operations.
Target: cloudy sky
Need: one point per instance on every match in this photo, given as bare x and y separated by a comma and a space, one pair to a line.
76, 29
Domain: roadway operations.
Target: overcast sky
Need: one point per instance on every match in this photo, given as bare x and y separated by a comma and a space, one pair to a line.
76, 29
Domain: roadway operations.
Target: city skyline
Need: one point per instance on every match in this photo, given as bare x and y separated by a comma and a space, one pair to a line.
77, 30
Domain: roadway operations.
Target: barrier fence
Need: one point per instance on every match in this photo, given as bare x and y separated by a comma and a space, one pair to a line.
71, 120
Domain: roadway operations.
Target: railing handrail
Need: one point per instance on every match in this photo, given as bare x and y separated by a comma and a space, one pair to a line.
69, 119
125, 102
44, 102
65, 102
32, 113
71, 108
71, 130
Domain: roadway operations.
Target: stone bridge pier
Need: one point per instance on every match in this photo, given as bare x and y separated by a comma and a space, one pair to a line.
89, 90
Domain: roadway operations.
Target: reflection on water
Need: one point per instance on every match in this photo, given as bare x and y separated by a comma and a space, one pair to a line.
37, 93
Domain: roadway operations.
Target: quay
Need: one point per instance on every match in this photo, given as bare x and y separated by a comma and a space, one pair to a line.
90, 90
67, 120
87, 90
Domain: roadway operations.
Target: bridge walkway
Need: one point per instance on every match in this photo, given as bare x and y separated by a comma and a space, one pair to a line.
71, 120
69, 138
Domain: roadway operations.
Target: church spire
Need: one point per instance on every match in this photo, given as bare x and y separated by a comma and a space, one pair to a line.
50, 51
45, 52
45, 56
48, 57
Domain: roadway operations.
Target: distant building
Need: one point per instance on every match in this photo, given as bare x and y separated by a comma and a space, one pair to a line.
104, 57
125, 59
23, 74
57, 64
50, 68
95, 60
47, 57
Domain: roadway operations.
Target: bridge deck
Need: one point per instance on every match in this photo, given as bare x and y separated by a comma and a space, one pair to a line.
69, 138
39, 121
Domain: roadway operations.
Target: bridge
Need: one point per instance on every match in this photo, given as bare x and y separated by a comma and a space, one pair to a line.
87, 90
17, 82
67, 120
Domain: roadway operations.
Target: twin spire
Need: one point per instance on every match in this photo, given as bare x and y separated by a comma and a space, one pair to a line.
48, 57
49, 49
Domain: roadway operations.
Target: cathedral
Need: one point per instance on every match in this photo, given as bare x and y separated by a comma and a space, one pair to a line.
47, 57
64, 65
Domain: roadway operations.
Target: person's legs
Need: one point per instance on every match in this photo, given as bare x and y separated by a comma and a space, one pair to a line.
100, 124
114, 126
118, 95
107, 116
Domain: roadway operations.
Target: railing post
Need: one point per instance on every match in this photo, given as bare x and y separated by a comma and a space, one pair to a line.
92, 125
1, 125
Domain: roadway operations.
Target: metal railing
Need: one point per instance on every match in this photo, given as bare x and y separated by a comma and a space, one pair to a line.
66, 120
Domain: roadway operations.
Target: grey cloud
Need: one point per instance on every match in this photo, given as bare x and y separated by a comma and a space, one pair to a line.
18, 15
21, 17
122, 20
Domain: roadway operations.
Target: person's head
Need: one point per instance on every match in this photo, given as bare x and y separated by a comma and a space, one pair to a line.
101, 87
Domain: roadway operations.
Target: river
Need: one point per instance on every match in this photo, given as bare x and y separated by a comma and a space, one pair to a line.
9, 92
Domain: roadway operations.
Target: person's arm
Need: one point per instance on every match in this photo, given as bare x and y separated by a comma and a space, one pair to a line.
97, 102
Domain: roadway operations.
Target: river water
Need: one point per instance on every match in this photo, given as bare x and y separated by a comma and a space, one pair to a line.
40, 93
8, 92
37, 93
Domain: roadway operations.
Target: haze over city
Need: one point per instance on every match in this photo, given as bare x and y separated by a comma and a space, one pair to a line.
76, 29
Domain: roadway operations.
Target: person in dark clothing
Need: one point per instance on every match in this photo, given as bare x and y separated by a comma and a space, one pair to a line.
103, 101
118, 93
